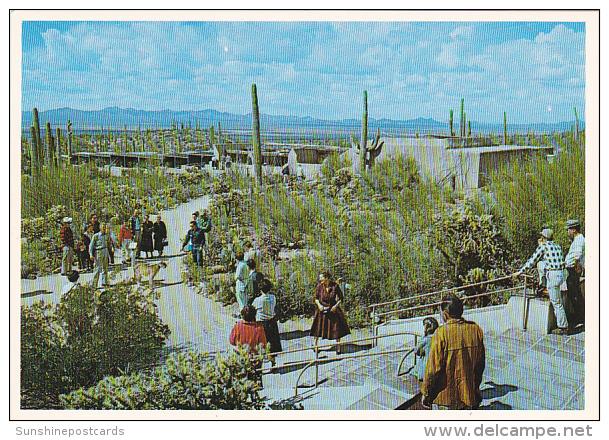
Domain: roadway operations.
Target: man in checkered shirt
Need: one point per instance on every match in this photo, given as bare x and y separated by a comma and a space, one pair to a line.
551, 254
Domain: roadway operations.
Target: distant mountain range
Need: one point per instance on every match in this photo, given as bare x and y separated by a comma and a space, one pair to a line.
115, 118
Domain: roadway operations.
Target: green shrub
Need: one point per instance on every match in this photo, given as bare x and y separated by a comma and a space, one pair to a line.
85, 338
468, 241
332, 164
539, 194
186, 381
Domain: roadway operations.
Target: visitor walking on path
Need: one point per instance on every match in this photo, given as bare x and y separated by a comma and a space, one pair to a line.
329, 321
252, 253
430, 325
248, 332
67, 241
265, 315
254, 279
241, 277
125, 238
146, 242
205, 223
160, 235
72, 283
453, 373
194, 236
554, 264
82, 250
100, 247
94, 223
575, 262
136, 230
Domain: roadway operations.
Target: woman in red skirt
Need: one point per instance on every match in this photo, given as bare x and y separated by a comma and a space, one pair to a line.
329, 321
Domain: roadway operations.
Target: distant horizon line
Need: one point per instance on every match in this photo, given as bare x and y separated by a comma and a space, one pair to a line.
581, 120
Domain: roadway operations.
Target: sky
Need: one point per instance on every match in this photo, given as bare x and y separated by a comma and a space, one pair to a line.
534, 71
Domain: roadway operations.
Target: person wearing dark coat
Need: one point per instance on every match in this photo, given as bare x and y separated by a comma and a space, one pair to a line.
160, 235
196, 237
329, 321
265, 315
147, 230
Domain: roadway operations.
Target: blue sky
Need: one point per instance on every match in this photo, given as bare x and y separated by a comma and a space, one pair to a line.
533, 70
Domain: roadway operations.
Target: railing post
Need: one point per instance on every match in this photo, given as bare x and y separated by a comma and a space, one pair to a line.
525, 305
316, 365
374, 325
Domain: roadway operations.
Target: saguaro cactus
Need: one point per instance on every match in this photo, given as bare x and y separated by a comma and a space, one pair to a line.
375, 149
212, 136
58, 146
256, 143
34, 158
462, 120
69, 142
50, 156
450, 122
469, 128
576, 125
505, 138
37, 139
364, 138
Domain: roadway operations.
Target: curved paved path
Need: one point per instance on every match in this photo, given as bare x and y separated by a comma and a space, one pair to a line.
195, 321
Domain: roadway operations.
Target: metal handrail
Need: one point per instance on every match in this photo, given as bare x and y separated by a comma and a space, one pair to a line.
315, 362
438, 291
376, 316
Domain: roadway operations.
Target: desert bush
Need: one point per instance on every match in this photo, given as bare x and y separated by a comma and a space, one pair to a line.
84, 338
468, 241
389, 177
332, 164
186, 381
540, 194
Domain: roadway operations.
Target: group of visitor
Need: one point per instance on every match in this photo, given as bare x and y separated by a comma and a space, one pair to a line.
198, 236
561, 273
96, 247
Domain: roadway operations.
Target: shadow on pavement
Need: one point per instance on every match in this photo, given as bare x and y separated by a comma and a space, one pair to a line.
35, 293
496, 390
296, 334
354, 348
496, 405
297, 366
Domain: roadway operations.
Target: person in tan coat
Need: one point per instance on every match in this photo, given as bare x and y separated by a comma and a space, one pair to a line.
456, 362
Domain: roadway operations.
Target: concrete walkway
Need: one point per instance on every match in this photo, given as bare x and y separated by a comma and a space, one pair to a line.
525, 370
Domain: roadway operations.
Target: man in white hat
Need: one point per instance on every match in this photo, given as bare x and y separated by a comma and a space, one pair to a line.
551, 254
100, 248
67, 242
574, 262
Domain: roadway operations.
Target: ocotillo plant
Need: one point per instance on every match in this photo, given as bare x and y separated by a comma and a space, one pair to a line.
450, 122
364, 139
256, 143
505, 139
37, 140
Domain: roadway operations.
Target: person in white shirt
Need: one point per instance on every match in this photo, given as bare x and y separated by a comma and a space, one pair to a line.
241, 277
574, 262
265, 314
252, 254
72, 282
